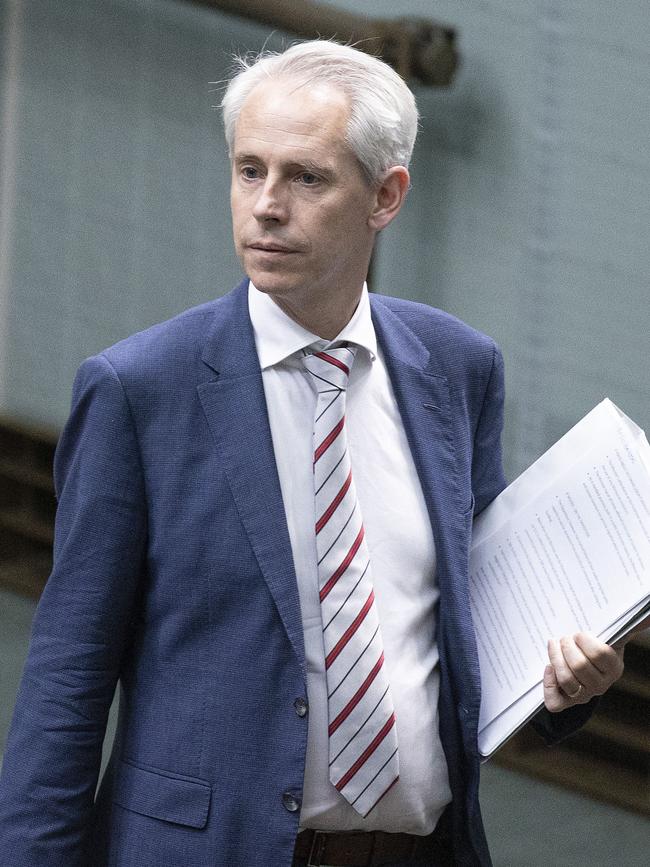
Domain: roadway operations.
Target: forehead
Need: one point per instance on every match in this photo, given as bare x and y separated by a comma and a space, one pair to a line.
294, 115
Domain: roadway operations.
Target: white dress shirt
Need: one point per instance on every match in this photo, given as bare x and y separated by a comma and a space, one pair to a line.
402, 556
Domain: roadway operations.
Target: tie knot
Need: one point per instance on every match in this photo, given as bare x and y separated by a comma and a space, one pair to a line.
330, 368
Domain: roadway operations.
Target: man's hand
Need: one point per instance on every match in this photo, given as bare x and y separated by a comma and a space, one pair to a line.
581, 667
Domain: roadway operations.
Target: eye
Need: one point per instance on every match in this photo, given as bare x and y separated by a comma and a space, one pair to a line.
309, 179
249, 173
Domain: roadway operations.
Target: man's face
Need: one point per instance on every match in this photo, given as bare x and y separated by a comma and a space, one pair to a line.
300, 202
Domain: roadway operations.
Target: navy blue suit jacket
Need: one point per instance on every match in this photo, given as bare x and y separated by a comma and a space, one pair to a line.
174, 575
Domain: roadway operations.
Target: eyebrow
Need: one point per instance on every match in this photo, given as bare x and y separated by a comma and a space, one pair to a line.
305, 165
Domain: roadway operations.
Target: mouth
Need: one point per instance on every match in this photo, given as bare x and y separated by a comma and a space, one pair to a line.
272, 248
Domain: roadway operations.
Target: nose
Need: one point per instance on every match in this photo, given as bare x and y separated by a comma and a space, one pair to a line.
271, 202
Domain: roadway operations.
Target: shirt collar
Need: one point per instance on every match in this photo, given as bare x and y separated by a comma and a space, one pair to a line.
277, 336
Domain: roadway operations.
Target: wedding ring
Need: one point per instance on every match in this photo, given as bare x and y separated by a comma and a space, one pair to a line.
576, 693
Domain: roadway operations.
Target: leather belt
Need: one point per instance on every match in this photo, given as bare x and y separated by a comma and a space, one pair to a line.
371, 848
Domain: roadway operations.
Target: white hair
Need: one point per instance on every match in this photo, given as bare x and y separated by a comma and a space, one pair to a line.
383, 116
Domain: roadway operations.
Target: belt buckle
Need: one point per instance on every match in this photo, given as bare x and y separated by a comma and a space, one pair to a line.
315, 857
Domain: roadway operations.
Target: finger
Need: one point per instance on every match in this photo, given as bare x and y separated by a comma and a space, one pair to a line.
582, 670
554, 698
605, 659
566, 679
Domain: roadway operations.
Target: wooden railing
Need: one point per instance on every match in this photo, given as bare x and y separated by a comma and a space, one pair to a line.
27, 507
418, 48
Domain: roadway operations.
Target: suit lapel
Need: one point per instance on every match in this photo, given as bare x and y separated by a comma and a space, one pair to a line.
235, 407
424, 400
422, 395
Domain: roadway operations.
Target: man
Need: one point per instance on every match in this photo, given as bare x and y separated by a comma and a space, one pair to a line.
265, 508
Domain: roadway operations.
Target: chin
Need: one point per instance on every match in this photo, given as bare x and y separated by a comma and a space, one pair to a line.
271, 285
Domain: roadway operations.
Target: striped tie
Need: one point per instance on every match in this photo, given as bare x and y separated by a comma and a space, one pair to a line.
363, 763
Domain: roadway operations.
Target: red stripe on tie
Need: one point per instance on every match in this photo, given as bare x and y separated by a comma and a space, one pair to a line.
349, 632
329, 439
356, 698
327, 514
365, 755
330, 358
349, 557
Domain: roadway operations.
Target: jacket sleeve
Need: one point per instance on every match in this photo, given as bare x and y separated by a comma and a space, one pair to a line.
80, 630
488, 478
554, 727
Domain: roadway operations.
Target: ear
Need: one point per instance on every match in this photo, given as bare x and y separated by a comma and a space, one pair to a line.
390, 195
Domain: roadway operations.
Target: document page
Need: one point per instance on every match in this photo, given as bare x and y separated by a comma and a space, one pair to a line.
565, 548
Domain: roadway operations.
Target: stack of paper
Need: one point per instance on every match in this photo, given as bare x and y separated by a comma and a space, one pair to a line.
565, 548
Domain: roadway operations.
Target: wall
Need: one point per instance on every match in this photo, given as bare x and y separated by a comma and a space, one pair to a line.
118, 209
531, 204
528, 215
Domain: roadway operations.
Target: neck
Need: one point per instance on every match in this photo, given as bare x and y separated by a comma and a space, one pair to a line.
327, 321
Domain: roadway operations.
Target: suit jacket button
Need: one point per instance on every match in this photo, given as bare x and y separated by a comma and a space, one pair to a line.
301, 707
290, 803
